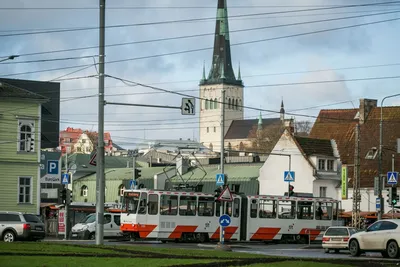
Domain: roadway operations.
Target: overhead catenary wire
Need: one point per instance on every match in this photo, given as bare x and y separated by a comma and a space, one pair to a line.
201, 19
204, 49
176, 38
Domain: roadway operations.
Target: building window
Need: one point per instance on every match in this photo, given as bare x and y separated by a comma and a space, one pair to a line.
211, 104
371, 154
208, 129
237, 104
229, 146
322, 191
84, 191
206, 104
26, 135
241, 146
321, 164
121, 190
24, 190
329, 165
215, 129
229, 103
215, 103
211, 146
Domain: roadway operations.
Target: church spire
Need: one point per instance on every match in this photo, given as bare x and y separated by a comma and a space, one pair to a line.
260, 121
282, 111
204, 71
221, 61
239, 75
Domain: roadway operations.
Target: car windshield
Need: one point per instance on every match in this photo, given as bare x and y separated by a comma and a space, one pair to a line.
32, 218
336, 232
89, 219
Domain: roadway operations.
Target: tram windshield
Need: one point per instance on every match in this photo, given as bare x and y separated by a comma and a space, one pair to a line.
131, 202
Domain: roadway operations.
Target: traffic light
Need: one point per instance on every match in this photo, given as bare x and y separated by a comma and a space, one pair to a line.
60, 200
389, 196
63, 195
291, 192
137, 173
68, 196
393, 195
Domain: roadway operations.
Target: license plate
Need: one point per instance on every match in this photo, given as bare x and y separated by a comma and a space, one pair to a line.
74, 235
39, 228
336, 239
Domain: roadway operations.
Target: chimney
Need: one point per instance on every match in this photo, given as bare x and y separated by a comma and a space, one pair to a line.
366, 105
288, 124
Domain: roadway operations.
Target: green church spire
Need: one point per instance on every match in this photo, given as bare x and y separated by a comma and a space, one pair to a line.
260, 121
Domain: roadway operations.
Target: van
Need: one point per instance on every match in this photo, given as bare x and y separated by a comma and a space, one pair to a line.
86, 229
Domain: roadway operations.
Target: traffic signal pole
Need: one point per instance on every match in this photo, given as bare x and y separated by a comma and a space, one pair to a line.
290, 166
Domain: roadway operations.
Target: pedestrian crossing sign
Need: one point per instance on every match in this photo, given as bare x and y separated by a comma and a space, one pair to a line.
288, 176
220, 179
65, 178
392, 177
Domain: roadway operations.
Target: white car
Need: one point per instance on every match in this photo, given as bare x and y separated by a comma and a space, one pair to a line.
382, 236
336, 238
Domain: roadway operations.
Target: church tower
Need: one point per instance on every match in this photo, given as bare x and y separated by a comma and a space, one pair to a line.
221, 76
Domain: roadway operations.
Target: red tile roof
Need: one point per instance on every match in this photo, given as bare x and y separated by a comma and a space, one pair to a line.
340, 125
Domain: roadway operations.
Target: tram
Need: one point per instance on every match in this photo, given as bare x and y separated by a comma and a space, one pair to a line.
193, 216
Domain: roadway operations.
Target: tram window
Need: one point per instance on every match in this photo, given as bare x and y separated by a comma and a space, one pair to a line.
287, 209
153, 204
228, 208
323, 211
305, 210
267, 208
206, 206
217, 208
168, 205
236, 207
253, 208
187, 205
131, 201
143, 204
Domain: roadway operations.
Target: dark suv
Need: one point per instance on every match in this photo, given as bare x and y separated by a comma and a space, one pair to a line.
20, 226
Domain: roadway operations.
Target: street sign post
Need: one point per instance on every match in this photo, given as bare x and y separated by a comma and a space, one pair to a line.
392, 178
220, 179
378, 204
65, 178
188, 106
224, 221
288, 176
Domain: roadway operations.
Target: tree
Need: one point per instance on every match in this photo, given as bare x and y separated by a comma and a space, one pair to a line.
264, 140
303, 128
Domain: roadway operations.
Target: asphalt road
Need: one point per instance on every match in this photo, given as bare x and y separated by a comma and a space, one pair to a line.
287, 250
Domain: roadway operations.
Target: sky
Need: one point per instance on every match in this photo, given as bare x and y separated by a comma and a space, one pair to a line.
270, 52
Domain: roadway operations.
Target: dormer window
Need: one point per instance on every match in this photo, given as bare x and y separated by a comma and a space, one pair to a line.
371, 154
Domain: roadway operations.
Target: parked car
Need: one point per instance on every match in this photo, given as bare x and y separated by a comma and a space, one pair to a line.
336, 238
86, 229
382, 236
20, 226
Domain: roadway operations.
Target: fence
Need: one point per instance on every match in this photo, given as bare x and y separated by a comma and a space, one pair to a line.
51, 227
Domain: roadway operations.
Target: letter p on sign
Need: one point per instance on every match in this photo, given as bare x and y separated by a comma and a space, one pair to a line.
52, 167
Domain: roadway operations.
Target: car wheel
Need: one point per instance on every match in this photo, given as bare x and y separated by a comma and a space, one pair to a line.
92, 236
9, 236
392, 249
354, 248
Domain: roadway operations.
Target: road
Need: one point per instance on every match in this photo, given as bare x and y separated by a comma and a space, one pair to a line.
287, 250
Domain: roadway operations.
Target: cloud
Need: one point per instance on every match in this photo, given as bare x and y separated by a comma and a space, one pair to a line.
326, 50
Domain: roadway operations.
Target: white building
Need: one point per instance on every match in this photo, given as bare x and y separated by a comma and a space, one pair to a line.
315, 163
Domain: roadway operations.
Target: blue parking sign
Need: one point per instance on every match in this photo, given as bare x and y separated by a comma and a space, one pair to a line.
52, 167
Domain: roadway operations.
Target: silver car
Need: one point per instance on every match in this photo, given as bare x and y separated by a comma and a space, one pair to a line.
20, 226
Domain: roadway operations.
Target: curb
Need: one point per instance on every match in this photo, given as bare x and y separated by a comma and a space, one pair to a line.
217, 245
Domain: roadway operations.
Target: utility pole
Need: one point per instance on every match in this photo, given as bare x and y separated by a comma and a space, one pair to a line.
355, 216
134, 172
66, 206
100, 183
393, 185
221, 229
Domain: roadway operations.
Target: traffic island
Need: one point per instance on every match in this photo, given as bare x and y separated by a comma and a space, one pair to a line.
223, 247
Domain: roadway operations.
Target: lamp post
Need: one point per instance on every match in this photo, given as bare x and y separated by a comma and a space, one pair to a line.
380, 212
9, 58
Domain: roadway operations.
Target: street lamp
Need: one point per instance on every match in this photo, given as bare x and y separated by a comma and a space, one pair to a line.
380, 212
9, 58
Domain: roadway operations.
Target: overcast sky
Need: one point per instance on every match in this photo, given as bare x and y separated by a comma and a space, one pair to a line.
294, 58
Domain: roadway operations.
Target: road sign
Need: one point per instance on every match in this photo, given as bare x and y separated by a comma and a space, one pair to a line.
188, 106
52, 166
392, 177
224, 220
226, 195
378, 204
288, 176
93, 157
132, 184
65, 178
220, 179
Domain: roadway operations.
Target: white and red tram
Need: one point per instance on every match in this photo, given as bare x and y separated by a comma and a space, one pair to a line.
193, 216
